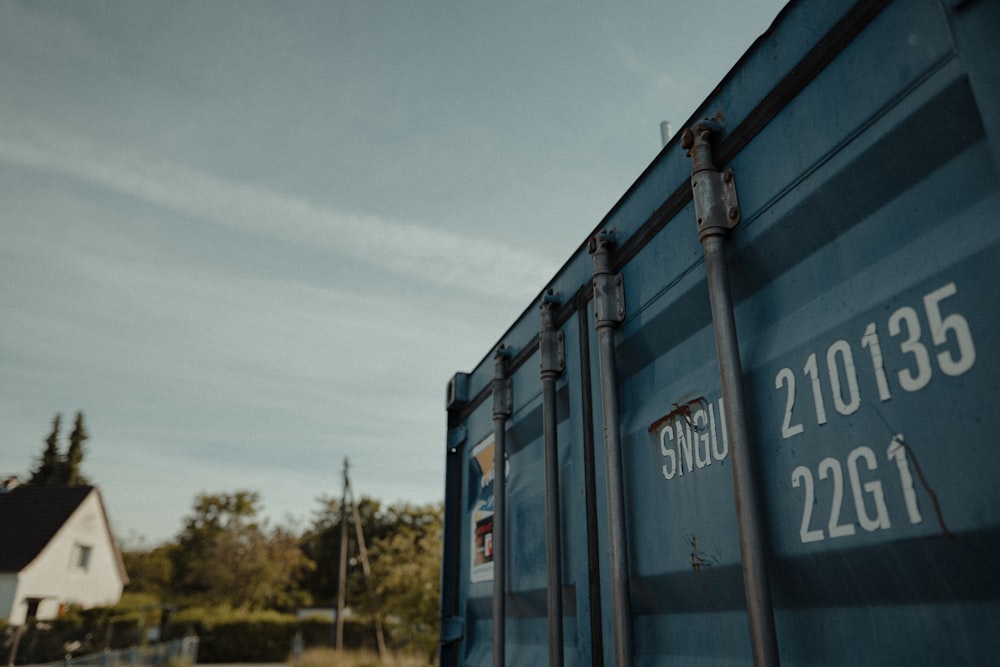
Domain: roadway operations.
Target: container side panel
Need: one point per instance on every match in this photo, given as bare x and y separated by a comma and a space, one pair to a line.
868, 337
864, 139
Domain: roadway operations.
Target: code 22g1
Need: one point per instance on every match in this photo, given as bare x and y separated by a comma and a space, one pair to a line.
842, 376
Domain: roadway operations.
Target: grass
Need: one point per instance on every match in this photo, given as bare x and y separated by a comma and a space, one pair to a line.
325, 657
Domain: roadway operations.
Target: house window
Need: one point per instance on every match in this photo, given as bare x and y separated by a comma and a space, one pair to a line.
32, 607
81, 558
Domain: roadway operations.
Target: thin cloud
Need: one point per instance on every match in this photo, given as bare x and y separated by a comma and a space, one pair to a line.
227, 326
406, 249
654, 76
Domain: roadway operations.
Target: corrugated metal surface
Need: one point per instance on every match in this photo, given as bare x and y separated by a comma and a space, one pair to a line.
864, 141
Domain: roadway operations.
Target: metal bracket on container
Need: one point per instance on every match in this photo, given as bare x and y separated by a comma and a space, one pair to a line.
458, 391
715, 202
609, 288
452, 629
550, 339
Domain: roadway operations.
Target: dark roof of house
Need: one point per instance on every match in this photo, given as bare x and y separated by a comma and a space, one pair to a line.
30, 516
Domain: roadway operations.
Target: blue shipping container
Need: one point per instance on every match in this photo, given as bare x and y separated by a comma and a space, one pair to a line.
754, 418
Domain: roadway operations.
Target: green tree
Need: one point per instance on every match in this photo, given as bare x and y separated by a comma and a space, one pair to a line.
48, 471
74, 455
55, 469
404, 550
213, 515
225, 556
251, 568
321, 544
406, 571
151, 571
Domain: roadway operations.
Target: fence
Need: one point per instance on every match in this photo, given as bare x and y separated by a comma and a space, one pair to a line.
177, 652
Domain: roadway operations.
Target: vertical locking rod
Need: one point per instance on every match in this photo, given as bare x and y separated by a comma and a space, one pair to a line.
609, 304
594, 606
502, 410
717, 210
550, 344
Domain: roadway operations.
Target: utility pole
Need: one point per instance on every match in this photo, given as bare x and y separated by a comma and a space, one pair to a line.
342, 579
379, 635
347, 501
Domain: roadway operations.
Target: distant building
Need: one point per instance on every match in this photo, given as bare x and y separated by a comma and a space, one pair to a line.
320, 613
56, 550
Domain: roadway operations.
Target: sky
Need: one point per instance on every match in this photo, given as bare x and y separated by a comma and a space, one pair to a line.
251, 239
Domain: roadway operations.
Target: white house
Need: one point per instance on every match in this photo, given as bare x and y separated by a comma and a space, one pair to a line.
56, 550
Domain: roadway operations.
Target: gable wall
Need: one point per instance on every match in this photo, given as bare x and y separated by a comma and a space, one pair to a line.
56, 574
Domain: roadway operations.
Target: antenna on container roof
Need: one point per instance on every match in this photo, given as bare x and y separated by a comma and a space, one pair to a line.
665, 132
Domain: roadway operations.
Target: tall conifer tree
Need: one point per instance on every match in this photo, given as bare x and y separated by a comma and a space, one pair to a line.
74, 455
48, 472
56, 469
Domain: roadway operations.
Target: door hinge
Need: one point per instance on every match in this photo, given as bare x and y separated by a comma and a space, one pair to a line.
714, 193
609, 288
550, 339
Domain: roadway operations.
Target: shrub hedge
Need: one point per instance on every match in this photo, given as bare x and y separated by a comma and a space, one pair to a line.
224, 635
267, 639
